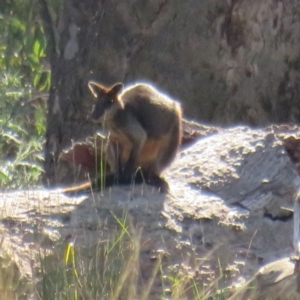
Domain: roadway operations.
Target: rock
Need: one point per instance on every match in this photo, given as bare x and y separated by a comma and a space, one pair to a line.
228, 214
276, 281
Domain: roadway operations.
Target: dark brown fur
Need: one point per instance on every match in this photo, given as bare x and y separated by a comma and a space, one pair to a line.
144, 123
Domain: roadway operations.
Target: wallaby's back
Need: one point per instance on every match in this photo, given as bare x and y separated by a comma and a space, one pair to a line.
156, 113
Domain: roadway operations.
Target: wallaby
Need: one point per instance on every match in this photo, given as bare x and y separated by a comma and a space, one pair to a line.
144, 123
113, 160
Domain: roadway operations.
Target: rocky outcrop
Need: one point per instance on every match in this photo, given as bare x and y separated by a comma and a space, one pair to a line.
229, 212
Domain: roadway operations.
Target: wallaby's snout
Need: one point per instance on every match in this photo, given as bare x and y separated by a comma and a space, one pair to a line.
106, 99
99, 110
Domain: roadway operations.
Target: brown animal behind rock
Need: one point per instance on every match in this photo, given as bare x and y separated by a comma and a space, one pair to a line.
145, 124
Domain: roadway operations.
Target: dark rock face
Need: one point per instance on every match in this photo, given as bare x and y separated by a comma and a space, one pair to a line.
228, 62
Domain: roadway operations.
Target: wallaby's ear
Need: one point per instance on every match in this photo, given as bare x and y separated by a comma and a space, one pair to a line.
116, 89
96, 88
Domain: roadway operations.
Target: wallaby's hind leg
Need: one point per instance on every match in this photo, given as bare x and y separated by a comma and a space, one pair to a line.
137, 178
167, 154
158, 182
137, 136
141, 177
120, 179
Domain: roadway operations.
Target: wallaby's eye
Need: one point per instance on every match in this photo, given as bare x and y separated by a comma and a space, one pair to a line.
108, 103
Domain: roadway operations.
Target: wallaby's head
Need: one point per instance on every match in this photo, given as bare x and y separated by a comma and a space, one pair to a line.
107, 101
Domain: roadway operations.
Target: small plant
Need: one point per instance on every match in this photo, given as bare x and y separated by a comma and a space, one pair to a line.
111, 270
22, 129
24, 79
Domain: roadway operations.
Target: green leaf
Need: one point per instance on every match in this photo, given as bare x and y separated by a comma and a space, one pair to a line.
33, 59
36, 48
4, 178
36, 79
30, 166
12, 138
16, 23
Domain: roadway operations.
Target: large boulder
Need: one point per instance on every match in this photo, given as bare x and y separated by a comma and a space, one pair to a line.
228, 213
